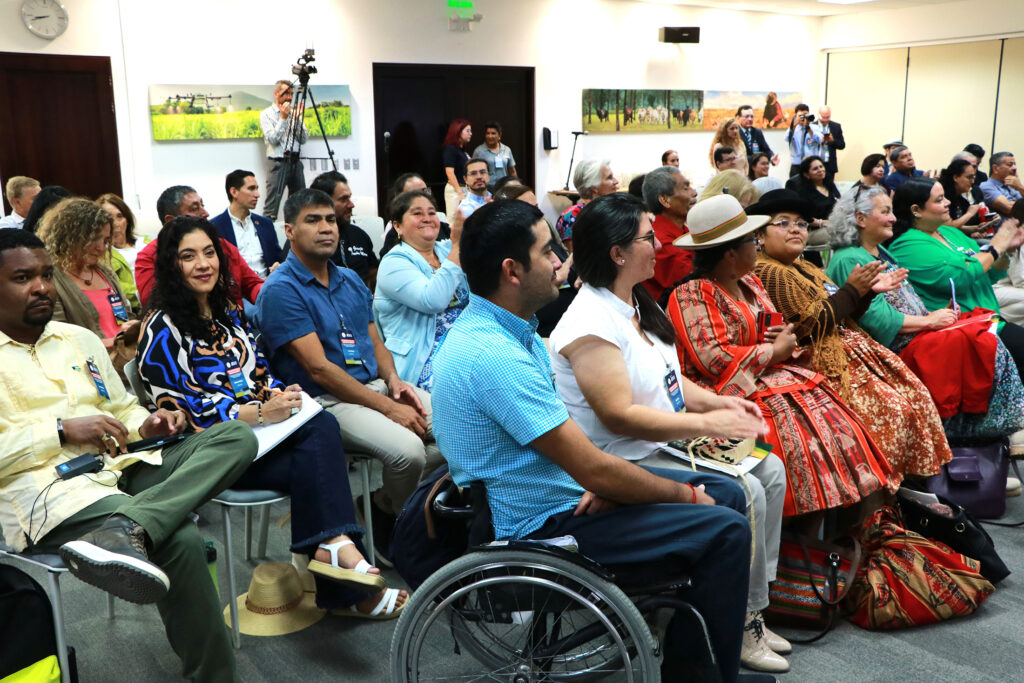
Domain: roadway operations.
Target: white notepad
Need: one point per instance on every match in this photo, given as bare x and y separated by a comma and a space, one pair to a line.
270, 435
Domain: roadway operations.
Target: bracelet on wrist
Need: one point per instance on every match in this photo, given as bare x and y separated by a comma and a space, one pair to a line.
693, 492
60, 432
259, 413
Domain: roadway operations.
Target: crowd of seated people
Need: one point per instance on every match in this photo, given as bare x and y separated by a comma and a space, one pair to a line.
554, 363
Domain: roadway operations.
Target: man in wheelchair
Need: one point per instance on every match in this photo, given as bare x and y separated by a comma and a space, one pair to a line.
499, 420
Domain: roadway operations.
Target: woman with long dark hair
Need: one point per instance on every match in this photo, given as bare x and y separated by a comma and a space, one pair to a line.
944, 263
455, 156
966, 201
197, 354
617, 370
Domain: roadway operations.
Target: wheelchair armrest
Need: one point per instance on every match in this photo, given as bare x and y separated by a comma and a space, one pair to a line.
451, 503
554, 550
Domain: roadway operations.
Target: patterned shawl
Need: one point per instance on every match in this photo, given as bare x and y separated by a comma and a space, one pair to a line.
798, 291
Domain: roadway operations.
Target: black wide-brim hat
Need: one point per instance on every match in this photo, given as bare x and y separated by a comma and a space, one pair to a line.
778, 201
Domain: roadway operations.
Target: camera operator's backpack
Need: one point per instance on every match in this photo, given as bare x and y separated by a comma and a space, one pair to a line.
28, 646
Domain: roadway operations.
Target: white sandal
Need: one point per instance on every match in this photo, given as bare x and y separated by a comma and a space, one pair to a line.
386, 608
359, 577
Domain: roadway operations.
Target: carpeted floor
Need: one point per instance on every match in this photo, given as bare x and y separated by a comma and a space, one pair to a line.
984, 647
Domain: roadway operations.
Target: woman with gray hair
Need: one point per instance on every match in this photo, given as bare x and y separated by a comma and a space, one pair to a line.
858, 225
592, 179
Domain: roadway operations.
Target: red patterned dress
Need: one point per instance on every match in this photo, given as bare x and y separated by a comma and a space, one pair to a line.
831, 460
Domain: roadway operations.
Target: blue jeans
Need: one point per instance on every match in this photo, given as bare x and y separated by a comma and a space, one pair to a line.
310, 466
709, 542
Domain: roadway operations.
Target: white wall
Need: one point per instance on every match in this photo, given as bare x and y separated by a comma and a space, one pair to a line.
573, 44
952, 21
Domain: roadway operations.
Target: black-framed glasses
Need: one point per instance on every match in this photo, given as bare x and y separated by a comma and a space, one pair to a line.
649, 238
786, 225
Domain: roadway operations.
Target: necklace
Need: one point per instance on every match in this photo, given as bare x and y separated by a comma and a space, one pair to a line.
92, 274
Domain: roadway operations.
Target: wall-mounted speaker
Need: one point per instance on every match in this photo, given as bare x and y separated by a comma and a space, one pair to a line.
679, 34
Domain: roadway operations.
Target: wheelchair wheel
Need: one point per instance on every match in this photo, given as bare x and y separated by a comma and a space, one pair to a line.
521, 616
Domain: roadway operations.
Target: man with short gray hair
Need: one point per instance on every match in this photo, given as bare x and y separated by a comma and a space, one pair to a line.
903, 168
1003, 186
21, 192
669, 195
284, 135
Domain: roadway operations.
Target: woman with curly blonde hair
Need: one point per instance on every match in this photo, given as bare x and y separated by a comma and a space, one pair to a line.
728, 135
731, 181
77, 234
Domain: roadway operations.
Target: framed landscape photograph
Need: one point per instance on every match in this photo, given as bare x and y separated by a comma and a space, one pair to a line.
232, 112
639, 111
771, 109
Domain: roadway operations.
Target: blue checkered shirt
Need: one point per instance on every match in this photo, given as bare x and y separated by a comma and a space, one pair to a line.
493, 394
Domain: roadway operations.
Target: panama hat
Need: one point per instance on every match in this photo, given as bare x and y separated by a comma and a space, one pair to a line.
275, 604
717, 220
778, 201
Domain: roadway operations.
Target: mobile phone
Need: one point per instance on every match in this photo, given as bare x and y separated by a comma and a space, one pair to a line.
155, 442
766, 319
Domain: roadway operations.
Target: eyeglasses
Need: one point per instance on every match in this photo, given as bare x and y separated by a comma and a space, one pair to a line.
786, 225
649, 238
755, 240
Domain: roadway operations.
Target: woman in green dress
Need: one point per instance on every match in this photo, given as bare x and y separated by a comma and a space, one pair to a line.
946, 265
859, 224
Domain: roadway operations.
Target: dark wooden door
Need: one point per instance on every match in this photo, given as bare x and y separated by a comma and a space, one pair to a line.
57, 122
416, 102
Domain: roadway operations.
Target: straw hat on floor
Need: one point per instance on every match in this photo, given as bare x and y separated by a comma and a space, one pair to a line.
275, 604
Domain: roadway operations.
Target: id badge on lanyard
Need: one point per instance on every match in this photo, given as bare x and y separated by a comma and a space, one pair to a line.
674, 391
117, 306
348, 344
237, 378
97, 379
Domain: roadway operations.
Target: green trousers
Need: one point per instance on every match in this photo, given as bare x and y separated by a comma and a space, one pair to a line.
160, 498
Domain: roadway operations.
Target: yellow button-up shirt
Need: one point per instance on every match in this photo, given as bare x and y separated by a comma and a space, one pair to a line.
39, 383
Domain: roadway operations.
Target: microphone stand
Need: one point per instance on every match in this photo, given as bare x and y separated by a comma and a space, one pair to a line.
576, 137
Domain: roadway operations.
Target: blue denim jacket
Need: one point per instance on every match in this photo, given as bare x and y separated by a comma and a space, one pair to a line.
409, 296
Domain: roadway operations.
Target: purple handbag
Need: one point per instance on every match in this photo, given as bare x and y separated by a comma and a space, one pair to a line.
975, 478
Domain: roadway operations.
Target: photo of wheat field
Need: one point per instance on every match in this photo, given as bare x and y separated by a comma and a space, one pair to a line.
232, 112
632, 111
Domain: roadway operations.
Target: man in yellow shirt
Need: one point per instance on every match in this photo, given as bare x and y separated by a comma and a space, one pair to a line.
124, 528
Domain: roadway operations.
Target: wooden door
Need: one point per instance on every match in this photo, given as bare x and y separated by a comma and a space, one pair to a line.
57, 122
416, 102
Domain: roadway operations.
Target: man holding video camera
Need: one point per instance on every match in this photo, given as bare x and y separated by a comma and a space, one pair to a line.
285, 133
120, 524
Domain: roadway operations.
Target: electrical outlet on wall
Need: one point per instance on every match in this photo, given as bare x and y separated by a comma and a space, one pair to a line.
348, 164
355, 164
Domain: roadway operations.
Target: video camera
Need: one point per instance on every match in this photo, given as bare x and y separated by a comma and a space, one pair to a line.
304, 68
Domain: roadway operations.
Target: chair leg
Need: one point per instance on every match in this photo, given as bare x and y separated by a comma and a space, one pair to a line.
261, 540
58, 627
248, 533
110, 606
371, 554
236, 638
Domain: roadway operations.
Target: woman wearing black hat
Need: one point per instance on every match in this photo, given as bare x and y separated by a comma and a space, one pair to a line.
887, 396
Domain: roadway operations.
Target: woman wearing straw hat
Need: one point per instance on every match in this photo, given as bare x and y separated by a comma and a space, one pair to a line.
197, 354
617, 370
830, 458
891, 401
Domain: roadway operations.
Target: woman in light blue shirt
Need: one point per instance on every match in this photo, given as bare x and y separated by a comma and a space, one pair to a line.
421, 288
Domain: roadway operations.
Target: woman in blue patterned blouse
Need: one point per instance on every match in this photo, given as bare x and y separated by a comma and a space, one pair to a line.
197, 354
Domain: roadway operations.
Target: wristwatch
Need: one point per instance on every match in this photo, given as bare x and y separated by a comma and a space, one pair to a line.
989, 249
60, 432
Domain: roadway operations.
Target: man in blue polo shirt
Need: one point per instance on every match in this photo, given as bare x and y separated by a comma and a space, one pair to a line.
499, 420
1003, 186
318, 326
903, 168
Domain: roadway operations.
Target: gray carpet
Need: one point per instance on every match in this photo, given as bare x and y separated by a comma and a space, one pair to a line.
984, 647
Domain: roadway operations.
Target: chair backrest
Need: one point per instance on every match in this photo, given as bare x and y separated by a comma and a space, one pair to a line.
131, 371
373, 226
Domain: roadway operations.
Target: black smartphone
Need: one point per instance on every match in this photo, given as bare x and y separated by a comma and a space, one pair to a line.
155, 442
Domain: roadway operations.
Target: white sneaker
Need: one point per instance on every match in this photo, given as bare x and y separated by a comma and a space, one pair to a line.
1013, 487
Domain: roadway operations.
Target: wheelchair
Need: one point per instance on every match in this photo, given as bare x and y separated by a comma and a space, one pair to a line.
525, 611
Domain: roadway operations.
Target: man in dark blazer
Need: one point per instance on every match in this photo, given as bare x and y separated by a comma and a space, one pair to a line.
833, 140
252, 233
753, 138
